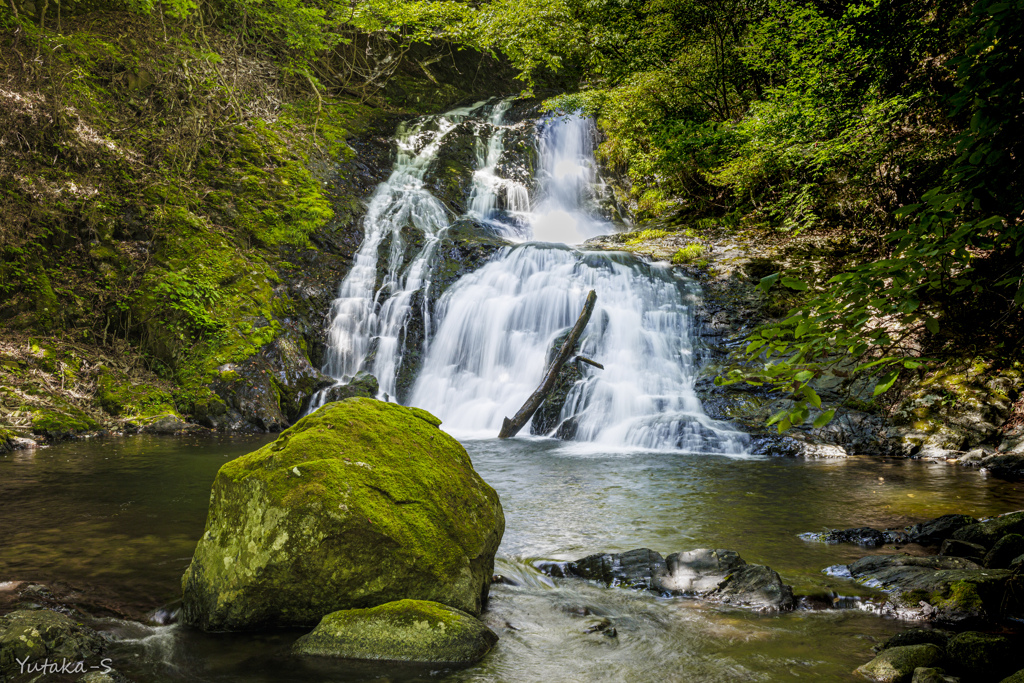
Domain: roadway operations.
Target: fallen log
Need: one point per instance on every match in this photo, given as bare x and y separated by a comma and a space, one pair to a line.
510, 428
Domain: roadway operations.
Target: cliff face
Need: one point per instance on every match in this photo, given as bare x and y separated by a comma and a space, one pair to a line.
175, 215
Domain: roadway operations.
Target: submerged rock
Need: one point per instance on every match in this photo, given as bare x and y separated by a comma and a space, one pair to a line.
359, 504
404, 631
42, 634
719, 575
897, 664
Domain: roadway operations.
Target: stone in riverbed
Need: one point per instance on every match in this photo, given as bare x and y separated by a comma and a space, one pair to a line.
1004, 551
935, 531
359, 504
41, 634
404, 631
952, 589
954, 548
989, 531
720, 575
897, 665
981, 653
639, 568
923, 674
917, 636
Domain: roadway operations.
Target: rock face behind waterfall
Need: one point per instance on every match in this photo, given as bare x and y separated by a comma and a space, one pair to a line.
357, 505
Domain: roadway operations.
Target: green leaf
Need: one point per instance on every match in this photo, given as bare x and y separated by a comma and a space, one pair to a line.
767, 281
793, 283
802, 328
777, 416
784, 425
908, 209
932, 324
1018, 298
804, 375
824, 419
812, 397
888, 379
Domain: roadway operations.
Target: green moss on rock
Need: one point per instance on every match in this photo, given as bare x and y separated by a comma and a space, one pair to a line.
404, 630
897, 664
39, 634
359, 504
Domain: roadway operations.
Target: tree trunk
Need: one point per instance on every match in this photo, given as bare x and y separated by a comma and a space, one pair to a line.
510, 428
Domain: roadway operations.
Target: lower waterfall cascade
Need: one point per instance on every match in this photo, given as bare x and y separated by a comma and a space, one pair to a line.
487, 338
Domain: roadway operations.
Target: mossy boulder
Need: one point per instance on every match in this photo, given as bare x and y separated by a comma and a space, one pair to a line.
1004, 551
40, 634
359, 504
987, 532
897, 664
974, 652
404, 630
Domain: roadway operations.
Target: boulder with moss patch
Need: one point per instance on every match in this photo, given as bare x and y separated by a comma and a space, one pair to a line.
403, 631
897, 664
358, 504
40, 634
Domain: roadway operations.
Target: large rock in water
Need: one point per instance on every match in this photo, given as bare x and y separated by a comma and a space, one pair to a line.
359, 504
402, 631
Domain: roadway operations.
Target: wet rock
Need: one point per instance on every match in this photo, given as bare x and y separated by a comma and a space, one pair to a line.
42, 634
268, 390
935, 531
897, 665
360, 503
917, 636
862, 536
756, 586
945, 589
1014, 678
1006, 466
639, 568
1013, 440
981, 653
363, 384
548, 416
1004, 551
954, 548
404, 631
719, 575
931, 674
699, 571
987, 532
111, 676
164, 424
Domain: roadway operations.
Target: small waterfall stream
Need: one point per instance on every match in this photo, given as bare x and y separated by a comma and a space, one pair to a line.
487, 341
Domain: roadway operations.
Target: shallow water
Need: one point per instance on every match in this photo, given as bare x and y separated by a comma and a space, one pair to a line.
118, 519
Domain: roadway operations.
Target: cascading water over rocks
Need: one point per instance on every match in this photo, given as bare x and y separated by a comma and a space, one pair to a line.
487, 339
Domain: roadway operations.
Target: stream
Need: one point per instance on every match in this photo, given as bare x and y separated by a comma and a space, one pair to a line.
118, 520
114, 522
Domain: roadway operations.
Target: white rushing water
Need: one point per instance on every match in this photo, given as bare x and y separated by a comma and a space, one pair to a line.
494, 328
364, 313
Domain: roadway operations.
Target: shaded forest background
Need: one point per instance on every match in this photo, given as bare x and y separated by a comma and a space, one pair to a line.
163, 165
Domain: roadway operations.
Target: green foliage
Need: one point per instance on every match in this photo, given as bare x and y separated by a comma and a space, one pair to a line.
688, 254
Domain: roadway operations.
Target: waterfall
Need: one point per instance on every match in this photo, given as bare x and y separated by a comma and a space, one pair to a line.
363, 314
493, 330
